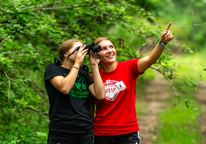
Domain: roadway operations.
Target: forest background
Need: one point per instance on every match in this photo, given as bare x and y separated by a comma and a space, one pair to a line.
31, 32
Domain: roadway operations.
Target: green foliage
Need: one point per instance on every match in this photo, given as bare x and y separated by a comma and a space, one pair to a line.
165, 66
31, 32
191, 67
179, 123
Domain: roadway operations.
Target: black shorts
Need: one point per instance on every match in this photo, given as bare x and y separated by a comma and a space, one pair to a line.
130, 138
87, 138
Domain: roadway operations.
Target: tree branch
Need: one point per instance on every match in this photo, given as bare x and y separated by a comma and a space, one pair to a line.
38, 112
29, 52
35, 6
189, 25
39, 91
9, 86
133, 28
61, 8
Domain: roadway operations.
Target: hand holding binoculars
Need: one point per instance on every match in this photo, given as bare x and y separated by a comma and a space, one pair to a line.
92, 49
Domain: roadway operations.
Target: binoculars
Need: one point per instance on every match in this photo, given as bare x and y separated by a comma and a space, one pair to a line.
92, 49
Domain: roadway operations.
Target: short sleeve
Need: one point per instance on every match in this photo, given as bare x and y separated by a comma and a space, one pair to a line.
133, 67
89, 79
51, 71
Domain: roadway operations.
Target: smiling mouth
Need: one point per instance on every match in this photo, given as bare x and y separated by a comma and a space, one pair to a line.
110, 56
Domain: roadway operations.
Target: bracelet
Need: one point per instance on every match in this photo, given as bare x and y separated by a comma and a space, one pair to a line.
164, 44
75, 67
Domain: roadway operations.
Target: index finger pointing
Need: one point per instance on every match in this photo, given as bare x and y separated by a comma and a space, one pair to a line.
168, 27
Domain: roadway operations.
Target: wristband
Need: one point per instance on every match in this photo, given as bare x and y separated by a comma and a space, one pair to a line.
164, 44
75, 67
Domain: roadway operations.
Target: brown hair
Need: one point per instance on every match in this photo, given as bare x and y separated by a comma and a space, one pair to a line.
98, 40
66, 46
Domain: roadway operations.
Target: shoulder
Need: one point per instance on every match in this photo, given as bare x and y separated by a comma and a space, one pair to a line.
128, 62
131, 61
52, 66
53, 70
131, 67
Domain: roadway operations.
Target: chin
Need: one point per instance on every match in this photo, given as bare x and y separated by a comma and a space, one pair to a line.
107, 60
111, 61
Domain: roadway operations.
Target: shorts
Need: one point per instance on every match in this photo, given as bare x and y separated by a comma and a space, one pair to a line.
87, 138
130, 138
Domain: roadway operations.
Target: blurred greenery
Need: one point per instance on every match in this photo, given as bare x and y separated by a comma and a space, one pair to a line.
179, 122
31, 32
188, 17
191, 67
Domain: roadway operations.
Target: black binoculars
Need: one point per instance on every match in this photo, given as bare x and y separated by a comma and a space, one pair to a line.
92, 49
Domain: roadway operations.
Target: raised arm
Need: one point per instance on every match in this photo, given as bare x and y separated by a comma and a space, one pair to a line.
145, 62
97, 89
65, 84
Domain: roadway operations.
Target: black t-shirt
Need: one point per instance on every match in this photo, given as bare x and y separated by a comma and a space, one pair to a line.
69, 113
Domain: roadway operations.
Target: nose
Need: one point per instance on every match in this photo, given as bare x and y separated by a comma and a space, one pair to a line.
109, 49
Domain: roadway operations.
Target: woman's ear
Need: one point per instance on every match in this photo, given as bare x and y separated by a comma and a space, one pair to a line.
66, 54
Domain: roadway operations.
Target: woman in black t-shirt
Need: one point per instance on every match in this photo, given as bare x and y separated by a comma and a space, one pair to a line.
69, 88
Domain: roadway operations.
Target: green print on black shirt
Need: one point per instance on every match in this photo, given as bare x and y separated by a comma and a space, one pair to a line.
79, 89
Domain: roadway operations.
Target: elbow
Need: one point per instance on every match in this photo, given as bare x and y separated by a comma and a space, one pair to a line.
64, 91
150, 62
101, 97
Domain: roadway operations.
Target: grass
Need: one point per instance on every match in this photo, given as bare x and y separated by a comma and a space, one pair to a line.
179, 123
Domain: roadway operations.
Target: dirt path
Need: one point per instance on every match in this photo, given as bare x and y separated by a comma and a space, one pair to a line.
156, 100
155, 97
201, 97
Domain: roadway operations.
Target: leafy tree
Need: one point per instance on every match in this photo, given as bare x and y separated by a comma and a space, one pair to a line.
31, 32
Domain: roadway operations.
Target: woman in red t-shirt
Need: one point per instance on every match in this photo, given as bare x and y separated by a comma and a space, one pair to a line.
115, 121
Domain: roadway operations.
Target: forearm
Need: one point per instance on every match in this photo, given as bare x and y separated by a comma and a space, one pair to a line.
145, 62
155, 54
68, 82
98, 83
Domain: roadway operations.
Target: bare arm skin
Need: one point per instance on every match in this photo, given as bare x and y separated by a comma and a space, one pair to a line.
97, 89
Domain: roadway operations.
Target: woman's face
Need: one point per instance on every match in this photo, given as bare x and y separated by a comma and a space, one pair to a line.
73, 56
108, 53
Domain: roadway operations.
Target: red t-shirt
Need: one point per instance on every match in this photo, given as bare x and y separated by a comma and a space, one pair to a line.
116, 114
